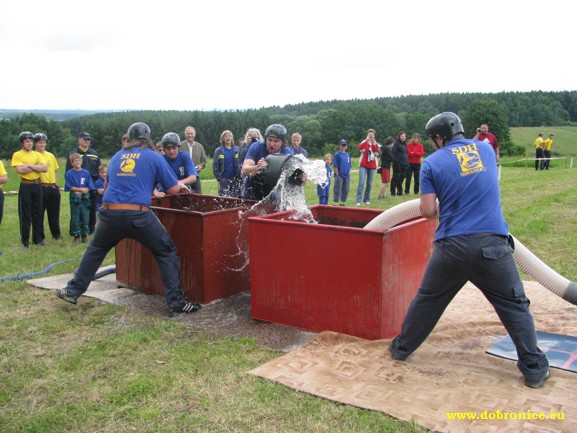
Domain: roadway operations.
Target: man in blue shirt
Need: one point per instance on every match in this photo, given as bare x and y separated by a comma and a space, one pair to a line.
133, 173
471, 244
180, 162
254, 163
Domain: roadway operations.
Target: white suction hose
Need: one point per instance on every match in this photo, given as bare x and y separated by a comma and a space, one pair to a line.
524, 258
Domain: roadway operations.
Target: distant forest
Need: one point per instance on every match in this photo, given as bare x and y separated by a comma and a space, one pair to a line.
321, 124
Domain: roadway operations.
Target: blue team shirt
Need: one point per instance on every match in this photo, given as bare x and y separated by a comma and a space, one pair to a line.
342, 161
133, 174
78, 179
463, 175
181, 165
99, 184
254, 187
257, 150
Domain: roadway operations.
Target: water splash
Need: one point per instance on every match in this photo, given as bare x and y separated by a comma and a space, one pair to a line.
287, 195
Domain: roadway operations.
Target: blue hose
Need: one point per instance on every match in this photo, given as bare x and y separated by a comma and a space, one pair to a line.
33, 274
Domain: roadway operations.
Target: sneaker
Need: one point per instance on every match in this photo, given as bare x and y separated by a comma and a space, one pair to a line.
187, 307
358, 204
66, 295
367, 202
84, 239
538, 383
76, 240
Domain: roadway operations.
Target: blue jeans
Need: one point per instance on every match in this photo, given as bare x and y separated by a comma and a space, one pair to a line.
365, 173
487, 262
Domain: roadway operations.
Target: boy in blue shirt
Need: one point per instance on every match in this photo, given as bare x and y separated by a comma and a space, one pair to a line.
180, 162
343, 165
79, 183
99, 184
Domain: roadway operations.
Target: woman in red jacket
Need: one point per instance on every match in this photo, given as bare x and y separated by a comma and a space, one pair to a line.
369, 152
416, 152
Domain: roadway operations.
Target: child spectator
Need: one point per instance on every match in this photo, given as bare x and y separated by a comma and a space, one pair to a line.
385, 166
323, 191
79, 183
343, 165
102, 173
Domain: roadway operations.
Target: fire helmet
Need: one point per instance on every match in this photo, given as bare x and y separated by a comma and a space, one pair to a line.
139, 130
276, 131
446, 125
39, 136
171, 139
24, 135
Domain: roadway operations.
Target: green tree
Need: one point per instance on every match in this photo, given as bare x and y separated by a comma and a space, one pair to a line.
487, 111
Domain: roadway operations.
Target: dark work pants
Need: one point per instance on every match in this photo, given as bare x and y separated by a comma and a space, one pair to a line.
51, 206
415, 171
399, 174
93, 209
487, 262
1, 205
539, 154
547, 160
30, 212
196, 187
144, 227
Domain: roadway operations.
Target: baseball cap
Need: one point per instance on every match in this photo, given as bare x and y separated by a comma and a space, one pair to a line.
85, 135
342, 141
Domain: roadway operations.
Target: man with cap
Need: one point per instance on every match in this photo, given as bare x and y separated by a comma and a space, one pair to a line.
254, 163
125, 213
28, 165
342, 164
91, 163
460, 187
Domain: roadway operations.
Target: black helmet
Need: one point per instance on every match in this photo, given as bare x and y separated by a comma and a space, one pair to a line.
276, 131
39, 136
171, 139
139, 130
24, 135
446, 125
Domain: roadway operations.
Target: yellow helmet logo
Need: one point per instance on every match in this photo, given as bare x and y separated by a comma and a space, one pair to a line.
127, 166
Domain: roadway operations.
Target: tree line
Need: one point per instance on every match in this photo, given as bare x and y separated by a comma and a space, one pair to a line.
321, 123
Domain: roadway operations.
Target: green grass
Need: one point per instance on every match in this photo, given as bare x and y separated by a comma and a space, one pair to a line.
565, 143
97, 367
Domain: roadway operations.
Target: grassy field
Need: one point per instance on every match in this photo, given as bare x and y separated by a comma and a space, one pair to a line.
565, 143
104, 368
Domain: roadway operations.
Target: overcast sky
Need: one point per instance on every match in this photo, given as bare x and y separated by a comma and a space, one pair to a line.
238, 54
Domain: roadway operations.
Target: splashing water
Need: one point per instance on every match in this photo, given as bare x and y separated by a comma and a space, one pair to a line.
288, 194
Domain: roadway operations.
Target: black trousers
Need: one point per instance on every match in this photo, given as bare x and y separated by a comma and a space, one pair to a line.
51, 206
415, 171
539, 154
30, 212
1, 205
399, 174
487, 262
